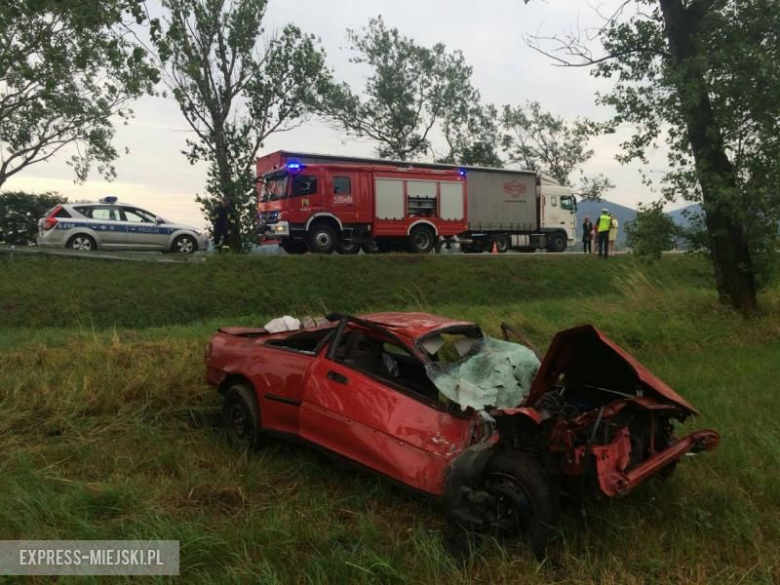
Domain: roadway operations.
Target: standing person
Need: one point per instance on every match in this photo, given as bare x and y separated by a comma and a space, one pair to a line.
221, 223
602, 228
587, 235
613, 230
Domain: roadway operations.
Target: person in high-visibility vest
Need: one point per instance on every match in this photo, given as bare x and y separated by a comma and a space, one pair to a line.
602, 228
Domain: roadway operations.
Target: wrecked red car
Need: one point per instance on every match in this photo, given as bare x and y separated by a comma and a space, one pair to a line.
485, 425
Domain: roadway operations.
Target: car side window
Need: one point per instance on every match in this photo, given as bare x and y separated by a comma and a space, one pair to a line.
303, 185
107, 213
368, 352
138, 215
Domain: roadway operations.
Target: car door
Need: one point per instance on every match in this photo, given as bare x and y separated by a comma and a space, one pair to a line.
367, 417
343, 193
106, 222
143, 231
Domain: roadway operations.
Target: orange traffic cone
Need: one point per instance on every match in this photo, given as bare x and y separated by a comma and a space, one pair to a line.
495, 248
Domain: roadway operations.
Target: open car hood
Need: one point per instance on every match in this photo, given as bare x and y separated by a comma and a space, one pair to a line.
588, 357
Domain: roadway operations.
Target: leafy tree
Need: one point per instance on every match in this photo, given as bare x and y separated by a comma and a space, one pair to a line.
473, 138
66, 70
651, 232
234, 93
19, 215
540, 141
703, 76
410, 92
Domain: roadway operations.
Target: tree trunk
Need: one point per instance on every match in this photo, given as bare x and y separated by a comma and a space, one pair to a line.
731, 256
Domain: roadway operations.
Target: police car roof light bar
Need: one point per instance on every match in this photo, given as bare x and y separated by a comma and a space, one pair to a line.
110, 199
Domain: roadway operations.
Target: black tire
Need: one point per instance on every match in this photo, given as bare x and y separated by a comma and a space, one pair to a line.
371, 247
184, 245
528, 505
557, 243
321, 239
343, 247
503, 243
294, 246
82, 243
421, 240
241, 417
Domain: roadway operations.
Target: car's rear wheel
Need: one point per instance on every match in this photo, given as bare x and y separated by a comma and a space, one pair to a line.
82, 243
526, 504
185, 245
241, 417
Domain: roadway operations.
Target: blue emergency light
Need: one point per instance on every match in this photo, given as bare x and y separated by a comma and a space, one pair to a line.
462, 172
295, 166
110, 199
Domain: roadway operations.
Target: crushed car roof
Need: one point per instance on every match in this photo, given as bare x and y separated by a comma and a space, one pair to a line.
413, 326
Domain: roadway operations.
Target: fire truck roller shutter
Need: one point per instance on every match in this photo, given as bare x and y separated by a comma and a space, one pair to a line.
389, 198
451, 200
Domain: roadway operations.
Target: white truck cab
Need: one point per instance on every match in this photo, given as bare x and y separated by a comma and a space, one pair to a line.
558, 208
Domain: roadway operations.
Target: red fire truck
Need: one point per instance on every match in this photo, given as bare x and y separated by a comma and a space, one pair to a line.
341, 207
323, 203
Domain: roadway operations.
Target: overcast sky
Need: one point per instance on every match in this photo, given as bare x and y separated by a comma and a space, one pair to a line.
491, 33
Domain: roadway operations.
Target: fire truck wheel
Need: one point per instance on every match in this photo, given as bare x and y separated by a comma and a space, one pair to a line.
347, 247
371, 247
421, 240
321, 239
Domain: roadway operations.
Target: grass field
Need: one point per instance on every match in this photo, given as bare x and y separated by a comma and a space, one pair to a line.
107, 429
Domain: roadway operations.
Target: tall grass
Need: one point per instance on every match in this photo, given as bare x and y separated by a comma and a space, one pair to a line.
111, 432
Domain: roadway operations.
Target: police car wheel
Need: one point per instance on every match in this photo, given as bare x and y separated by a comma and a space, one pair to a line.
82, 243
185, 245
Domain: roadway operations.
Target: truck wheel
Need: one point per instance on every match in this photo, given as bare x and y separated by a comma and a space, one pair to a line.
241, 417
321, 239
371, 247
502, 243
526, 503
421, 240
294, 247
343, 247
557, 243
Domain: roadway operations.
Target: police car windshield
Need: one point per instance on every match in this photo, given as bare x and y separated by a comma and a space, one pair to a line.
275, 186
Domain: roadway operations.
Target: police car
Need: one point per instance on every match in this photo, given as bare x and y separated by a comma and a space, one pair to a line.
109, 225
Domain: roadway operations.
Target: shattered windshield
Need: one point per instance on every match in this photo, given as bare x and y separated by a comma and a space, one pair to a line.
486, 372
275, 187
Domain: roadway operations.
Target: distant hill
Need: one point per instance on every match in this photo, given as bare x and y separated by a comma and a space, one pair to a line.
678, 215
593, 209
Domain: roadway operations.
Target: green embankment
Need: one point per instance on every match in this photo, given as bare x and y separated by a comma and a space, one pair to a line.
107, 429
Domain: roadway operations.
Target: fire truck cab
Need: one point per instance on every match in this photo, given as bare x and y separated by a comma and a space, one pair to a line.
323, 207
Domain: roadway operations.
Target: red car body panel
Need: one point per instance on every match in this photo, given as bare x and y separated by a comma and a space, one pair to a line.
314, 397
581, 347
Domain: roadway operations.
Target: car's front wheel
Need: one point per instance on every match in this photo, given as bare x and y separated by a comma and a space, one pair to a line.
82, 243
185, 245
241, 417
526, 504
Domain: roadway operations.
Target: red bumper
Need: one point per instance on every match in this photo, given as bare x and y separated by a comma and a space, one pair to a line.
612, 460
